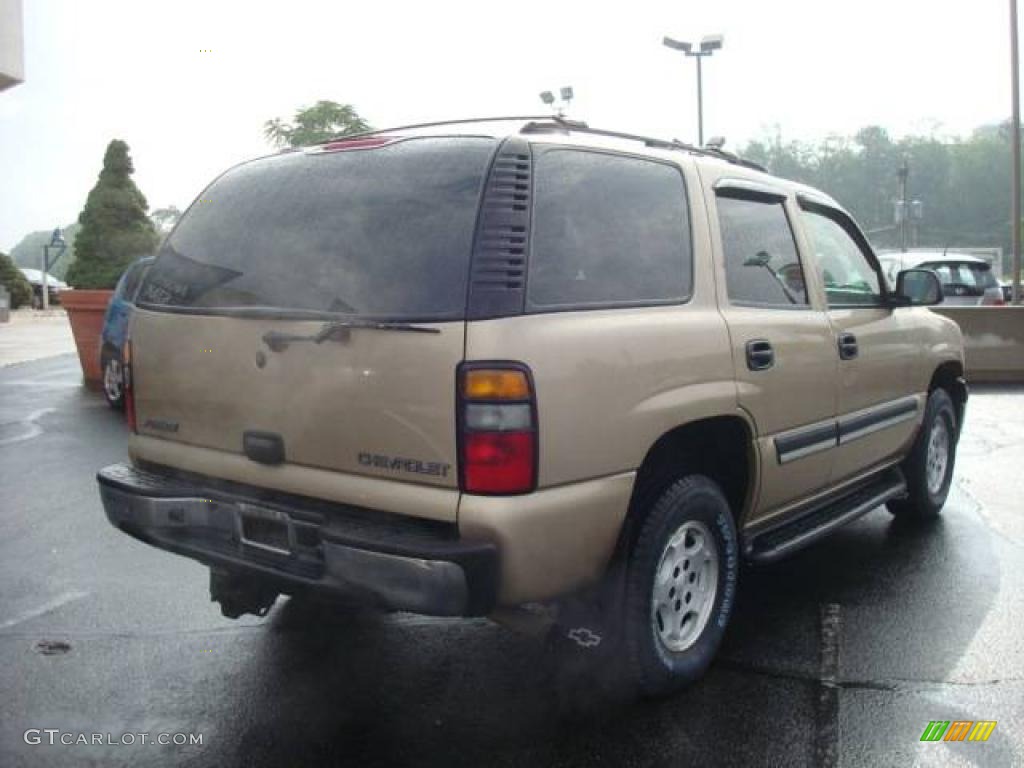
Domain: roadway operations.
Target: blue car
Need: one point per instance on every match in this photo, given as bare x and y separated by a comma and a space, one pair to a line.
115, 330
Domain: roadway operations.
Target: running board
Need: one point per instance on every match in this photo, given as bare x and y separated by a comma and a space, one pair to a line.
818, 520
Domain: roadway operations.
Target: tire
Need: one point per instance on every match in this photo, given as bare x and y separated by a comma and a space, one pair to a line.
929, 466
690, 514
113, 380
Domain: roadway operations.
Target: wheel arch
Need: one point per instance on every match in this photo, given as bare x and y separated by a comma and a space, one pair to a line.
720, 447
950, 377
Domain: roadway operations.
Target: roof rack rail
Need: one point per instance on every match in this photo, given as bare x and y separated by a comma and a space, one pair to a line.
375, 131
554, 122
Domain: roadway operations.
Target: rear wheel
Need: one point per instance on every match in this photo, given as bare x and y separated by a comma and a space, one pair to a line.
113, 379
680, 585
929, 467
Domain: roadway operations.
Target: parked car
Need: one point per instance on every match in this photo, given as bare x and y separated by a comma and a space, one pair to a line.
456, 370
115, 330
35, 279
966, 280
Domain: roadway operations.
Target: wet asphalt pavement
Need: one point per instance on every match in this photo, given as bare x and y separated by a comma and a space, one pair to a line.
840, 655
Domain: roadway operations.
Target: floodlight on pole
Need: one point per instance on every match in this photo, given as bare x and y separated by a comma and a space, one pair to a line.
678, 45
708, 45
711, 43
59, 244
549, 99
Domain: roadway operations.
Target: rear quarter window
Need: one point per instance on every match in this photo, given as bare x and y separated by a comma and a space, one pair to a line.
607, 230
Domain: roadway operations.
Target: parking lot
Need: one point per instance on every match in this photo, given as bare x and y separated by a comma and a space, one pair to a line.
840, 655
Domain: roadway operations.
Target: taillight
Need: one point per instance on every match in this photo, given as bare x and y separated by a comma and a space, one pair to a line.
129, 391
498, 429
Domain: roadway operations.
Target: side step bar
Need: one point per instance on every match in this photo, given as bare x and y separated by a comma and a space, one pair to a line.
818, 520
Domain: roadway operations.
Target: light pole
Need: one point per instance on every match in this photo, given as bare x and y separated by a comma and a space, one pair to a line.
57, 243
708, 45
1015, 86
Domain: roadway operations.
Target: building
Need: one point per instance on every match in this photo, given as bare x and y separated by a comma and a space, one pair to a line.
12, 44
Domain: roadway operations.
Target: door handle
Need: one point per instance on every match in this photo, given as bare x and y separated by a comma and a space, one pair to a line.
760, 355
847, 346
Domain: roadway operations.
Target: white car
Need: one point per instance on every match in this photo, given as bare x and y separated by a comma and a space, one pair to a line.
35, 279
966, 280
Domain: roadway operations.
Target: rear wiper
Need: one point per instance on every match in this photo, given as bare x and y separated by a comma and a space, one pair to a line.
338, 330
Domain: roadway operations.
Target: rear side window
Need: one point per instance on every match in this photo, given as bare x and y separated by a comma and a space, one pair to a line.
385, 233
761, 262
607, 230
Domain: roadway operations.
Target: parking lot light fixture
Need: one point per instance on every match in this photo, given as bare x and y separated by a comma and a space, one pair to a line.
58, 244
708, 45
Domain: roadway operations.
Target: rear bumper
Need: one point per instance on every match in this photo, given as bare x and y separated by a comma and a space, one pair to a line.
296, 546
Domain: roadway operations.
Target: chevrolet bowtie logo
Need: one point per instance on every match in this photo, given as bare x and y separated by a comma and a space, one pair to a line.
584, 638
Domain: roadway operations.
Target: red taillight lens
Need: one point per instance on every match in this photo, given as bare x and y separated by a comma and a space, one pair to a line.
127, 384
499, 433
498, 462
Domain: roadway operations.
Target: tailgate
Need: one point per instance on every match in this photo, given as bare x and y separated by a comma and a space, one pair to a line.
369, 238
376, 403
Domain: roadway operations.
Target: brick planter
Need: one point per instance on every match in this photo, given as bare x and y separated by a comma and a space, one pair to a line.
85, 312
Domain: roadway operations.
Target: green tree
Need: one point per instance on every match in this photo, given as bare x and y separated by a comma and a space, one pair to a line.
963, 183
324, 120
115, 228
15, 282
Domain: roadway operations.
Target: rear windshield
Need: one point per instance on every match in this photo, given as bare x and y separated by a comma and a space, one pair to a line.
384, 233
972, 274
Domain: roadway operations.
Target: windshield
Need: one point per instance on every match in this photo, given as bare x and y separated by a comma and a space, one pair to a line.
384, 232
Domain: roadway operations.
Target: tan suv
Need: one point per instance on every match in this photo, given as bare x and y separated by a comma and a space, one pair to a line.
460, 368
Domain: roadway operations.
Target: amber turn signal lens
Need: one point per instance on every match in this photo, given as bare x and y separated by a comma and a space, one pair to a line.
482, 384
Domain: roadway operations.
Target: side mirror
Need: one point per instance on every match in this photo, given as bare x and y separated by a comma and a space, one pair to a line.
918, 287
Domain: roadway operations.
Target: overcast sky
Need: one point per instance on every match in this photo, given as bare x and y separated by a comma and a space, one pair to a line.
137, 70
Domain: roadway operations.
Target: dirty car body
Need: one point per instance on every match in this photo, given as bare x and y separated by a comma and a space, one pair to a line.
455, 370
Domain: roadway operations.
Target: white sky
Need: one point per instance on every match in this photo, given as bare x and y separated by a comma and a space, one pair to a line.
103, 69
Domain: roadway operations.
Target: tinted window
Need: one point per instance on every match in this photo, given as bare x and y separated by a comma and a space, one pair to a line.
131, 281
607, 229
383, 232
761, 262
849, 278
967, 274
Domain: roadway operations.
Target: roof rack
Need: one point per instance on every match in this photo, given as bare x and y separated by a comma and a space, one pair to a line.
544, 123
375, 131
554, 122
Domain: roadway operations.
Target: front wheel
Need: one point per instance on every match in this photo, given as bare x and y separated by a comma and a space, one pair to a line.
680, 585
929, 466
